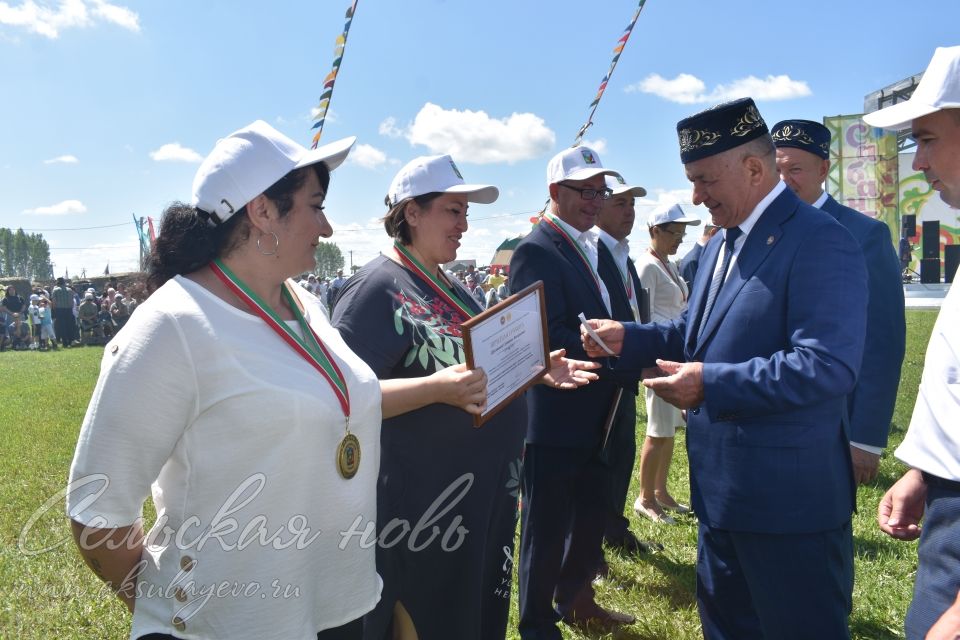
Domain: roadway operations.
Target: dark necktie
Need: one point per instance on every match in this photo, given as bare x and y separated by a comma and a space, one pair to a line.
730, 237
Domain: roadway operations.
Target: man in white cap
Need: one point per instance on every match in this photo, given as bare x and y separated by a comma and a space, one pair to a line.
930, 490
564, 480
614, 224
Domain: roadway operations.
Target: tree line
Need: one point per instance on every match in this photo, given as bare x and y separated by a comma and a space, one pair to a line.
24, 255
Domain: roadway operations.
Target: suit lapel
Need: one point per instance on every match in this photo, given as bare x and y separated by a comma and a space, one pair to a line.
610, 273
762, 239
576, 262
701, 285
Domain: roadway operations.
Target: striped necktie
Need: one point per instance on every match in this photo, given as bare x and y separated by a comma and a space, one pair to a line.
730, 237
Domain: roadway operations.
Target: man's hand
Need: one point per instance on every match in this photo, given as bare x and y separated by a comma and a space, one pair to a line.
682, 386
901, 508
948, 626
865, 465
610, 331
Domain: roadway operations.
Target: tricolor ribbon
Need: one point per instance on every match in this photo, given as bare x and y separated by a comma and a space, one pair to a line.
551, 220
309, 346
433, 281
324, 104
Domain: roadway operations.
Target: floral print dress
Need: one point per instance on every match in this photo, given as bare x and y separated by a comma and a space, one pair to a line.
447, 494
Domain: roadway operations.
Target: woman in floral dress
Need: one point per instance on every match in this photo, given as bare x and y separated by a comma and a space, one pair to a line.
447, 495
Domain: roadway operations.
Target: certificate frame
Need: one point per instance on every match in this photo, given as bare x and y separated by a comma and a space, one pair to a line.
533, 339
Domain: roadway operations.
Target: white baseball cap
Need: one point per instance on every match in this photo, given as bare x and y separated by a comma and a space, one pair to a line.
667, 213
249, 161
618, 186
576, 163
938, 89
436, 174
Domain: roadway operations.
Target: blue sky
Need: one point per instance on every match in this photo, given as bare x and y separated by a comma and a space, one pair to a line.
108, 105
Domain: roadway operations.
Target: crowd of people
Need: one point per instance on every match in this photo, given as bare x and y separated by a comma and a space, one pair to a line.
322, 436
64, 314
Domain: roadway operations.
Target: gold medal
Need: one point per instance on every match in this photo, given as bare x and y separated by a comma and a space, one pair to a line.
348, 456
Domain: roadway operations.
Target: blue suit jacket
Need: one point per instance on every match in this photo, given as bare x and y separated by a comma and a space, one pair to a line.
781, 350
569, 418
690, 263
872, 401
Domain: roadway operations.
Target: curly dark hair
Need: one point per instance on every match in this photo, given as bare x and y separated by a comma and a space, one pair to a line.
187, 242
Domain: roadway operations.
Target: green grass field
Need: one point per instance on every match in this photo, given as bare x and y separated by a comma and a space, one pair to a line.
47, 592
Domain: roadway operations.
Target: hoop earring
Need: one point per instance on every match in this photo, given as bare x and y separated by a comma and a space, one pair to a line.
276, 245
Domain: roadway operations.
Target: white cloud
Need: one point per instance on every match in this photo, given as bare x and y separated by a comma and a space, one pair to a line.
175, 152
69, 14
389, 128
600, 145
367, 156
66, 207
120, 16
332, 116
66, 159
473, 136
689, 89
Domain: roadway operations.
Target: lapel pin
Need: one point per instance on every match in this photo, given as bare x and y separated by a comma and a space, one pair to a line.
769, 240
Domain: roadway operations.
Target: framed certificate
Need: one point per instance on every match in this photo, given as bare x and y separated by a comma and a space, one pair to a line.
509, 342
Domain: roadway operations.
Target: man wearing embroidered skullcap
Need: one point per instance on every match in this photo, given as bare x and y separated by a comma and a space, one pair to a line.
564, 481
803, 159
930, 490
762, 361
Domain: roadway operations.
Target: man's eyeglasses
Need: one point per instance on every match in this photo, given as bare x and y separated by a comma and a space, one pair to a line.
590, 194
676, 234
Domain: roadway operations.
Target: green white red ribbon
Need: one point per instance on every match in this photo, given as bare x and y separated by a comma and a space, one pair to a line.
410, 262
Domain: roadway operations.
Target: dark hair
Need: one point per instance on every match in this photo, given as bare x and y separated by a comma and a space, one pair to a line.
395, 220
187, 242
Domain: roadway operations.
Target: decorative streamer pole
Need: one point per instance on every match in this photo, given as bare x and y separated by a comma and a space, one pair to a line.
617, 52
328, 82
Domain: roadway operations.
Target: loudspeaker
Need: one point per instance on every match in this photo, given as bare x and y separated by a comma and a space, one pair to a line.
909, 225
930, 271
931, 238
951, 260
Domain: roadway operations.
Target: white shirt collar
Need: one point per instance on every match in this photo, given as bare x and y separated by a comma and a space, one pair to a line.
821, 200
747, 225
612, 243
576, 234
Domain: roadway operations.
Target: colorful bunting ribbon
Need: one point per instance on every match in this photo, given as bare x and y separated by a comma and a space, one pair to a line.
328, 82
617, 52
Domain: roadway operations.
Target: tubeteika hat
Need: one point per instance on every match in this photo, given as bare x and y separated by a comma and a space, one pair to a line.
665, 214
249, 161
619, 186
938, 89
575, 163
805, 135
718, 129
436, 174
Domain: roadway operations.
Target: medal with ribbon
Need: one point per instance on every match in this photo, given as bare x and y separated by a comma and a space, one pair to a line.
551, 220
449, 294
310, 348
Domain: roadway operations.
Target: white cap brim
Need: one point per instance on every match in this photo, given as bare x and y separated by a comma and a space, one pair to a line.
636, 192
332, 154
479, 193
693, 222
898, 116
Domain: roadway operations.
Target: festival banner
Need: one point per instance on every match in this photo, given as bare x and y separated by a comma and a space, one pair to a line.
863, 169
320, 111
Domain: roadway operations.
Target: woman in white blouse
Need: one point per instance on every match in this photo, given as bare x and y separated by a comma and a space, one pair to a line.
668, 299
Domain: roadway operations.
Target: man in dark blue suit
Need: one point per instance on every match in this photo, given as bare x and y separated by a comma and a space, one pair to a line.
691, 261
564, 480
629, 301
763, 359
803, 152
